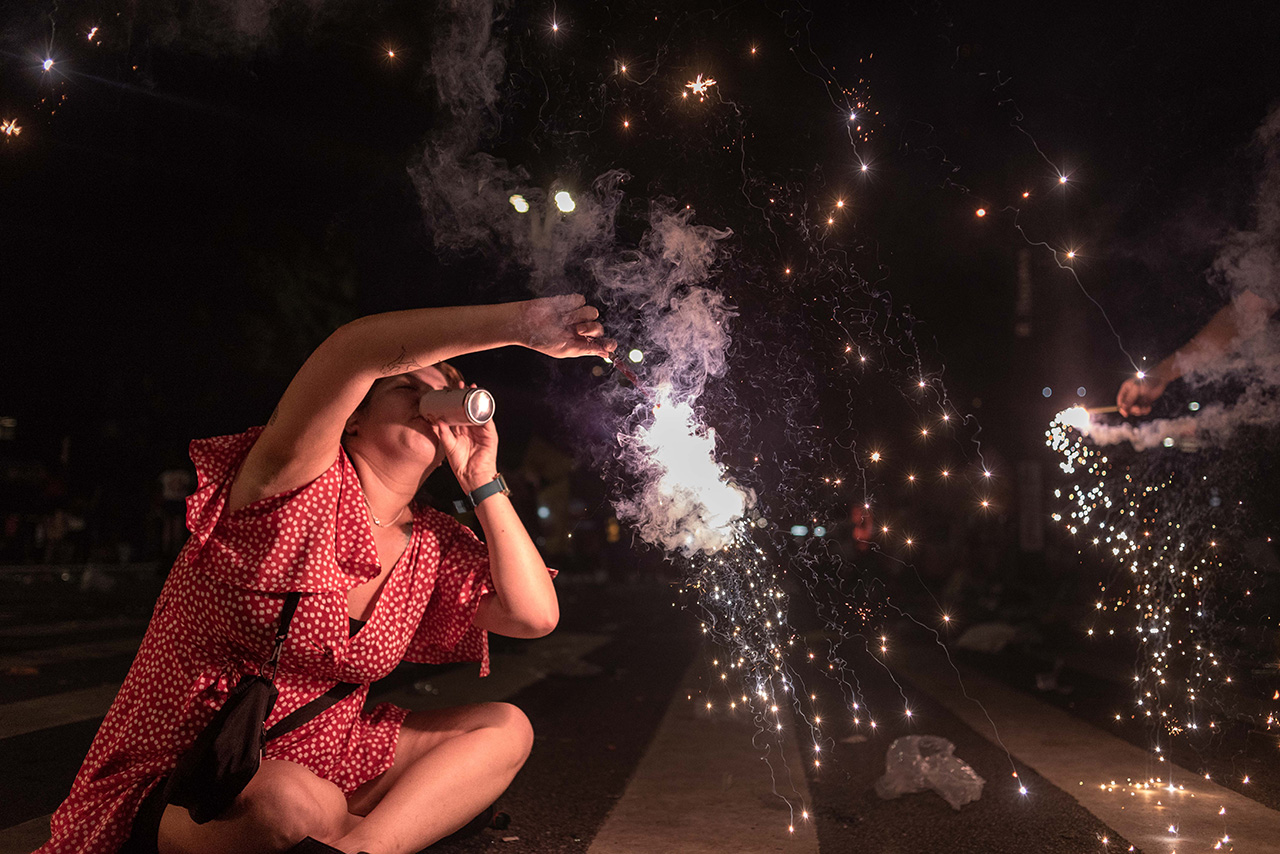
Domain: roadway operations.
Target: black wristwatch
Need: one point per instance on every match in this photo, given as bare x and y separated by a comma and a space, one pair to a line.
493, 487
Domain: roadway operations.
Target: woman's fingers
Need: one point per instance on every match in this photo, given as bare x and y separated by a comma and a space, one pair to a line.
566, 326
586, 312
1135, 398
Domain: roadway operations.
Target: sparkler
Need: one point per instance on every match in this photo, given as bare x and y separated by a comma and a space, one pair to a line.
1157, 524
616, 359
10, 127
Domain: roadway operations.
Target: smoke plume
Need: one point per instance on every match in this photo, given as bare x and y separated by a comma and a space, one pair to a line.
655, 294
684, 501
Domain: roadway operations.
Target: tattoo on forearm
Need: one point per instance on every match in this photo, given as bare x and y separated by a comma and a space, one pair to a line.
275, 413
401, 364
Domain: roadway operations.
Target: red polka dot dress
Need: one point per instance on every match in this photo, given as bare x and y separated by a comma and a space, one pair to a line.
216, 617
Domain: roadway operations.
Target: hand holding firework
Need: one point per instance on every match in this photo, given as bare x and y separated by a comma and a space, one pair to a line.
1137, 394
564, 327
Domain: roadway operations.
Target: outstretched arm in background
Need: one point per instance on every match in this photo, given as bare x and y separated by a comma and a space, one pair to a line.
1240, 320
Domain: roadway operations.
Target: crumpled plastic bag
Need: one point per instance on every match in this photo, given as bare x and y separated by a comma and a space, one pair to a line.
919, 762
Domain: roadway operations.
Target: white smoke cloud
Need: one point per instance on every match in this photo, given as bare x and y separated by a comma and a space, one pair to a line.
1250, 260
686, 502
655, 293
684, 499
1215, 424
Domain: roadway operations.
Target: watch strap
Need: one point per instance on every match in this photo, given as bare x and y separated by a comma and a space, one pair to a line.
493, 487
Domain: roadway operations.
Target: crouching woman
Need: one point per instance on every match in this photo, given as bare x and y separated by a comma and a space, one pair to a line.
319, 502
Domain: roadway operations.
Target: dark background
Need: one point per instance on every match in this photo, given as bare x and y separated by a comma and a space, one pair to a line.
193, 205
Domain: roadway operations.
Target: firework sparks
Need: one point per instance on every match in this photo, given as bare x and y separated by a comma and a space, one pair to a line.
1159, 524
700, 508
9, 127
699, 87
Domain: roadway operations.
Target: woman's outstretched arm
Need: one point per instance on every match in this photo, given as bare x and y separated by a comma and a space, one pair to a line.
302, 437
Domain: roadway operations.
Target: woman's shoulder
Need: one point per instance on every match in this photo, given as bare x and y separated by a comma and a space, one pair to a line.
310, 538
216, 455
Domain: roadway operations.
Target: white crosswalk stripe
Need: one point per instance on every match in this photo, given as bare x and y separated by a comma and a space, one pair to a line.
70, 626
1077, 757
26, 837
70, 652
703, 787
69, 707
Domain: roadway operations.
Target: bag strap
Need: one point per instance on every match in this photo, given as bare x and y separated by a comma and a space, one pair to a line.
303, 714
282, 631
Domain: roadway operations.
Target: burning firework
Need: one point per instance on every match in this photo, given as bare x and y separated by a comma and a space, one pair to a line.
699, 87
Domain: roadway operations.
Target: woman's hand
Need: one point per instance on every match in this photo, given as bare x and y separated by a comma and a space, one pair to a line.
1136, 395
564, 327
472, 452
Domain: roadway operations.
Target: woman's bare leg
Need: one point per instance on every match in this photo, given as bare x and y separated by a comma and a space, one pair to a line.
450, 764
282, 804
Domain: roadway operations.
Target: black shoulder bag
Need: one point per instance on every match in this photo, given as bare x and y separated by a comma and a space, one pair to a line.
226, 755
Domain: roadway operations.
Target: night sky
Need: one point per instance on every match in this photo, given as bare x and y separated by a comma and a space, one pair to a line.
197, 197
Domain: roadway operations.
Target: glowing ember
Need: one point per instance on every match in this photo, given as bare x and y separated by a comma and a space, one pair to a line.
699, 86
1077, 418
710, 507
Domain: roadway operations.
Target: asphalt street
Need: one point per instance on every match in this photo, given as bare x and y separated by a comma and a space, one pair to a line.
627, 757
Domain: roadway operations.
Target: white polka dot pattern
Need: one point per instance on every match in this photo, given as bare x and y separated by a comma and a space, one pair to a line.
216, 617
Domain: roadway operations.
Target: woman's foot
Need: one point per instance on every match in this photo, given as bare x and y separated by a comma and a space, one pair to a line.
487, 818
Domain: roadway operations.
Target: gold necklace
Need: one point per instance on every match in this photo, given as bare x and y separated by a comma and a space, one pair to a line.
375, 519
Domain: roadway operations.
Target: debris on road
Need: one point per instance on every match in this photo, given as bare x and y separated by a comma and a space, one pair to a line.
915, 763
